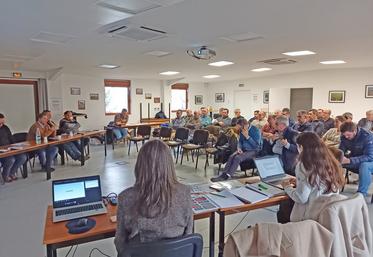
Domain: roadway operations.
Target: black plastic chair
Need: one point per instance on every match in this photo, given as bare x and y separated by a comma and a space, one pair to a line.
165, 133
181, 137
143, 134
187, 246
200, 138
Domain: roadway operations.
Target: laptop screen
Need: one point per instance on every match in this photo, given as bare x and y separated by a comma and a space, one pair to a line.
75, 191
269, 166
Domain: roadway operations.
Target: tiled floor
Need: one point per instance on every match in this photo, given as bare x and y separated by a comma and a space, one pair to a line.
23, 203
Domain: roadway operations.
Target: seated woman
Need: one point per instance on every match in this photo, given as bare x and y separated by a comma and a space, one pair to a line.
157, 206
269, 134
318, 173
333, 136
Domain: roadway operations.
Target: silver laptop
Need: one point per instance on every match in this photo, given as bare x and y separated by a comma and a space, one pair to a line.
270, 169
76, 198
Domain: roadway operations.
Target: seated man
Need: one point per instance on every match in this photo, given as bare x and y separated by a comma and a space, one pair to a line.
302, 124
260, 121
286, 112
10, 164
188, 117
328, 121
224, 120
256, 113
237, 116
348, 116
120, 119
287, 142
69, 124
317, 125
367, 123
249, 144
205, 118
195, 123
46, 155
357, 144
178, 121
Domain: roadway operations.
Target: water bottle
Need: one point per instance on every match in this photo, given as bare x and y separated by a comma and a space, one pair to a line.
38, 136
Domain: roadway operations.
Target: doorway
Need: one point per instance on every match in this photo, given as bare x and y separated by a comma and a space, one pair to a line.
300, 99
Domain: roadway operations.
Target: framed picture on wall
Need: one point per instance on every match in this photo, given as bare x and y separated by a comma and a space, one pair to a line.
139, 91
93, 96
266, 97
219, 97
198, 99
157, 100
81, 105
369, 91
337, 96
74, 90
148, 96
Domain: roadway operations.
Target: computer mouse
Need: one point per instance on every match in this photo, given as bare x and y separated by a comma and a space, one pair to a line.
82, 222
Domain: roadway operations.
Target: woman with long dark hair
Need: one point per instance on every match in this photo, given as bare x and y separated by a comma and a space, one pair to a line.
317, 172
157, 206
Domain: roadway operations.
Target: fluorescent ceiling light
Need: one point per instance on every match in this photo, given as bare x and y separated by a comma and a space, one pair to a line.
108, 66
261, 69
299, 53
211, 76
220, 63
333, 62
158, 53
169, 73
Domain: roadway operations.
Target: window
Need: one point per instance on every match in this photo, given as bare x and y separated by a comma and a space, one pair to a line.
117, 96
179, 96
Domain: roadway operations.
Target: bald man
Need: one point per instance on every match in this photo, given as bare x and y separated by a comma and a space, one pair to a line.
367, 123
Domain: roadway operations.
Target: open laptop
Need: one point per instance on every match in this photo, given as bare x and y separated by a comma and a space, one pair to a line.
270, 169
75, 198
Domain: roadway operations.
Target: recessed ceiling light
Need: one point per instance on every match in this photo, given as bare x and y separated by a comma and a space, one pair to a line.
169, 73
299, 53
158, 53
211, 76
108, 66
221, 63
333, 62
261, 69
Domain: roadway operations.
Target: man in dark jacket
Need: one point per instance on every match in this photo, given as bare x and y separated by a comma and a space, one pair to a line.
367, 123
302, 124
327, 120
317, 125
13, 163
287, 139
249, 144
357, 144
286, 112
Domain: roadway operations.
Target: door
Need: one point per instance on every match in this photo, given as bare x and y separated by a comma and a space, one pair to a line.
300, 99
242, 101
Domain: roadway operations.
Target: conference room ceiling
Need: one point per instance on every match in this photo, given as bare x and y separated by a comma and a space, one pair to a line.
334, 29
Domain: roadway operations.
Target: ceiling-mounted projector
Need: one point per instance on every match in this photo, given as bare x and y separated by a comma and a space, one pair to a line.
202, 53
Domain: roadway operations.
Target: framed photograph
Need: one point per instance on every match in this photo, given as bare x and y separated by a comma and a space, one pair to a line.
93, 96
157, 100
198, 99
81, 105
148, 96
219, 97
369, 91
337, 96
74, 90
266, 97
139, 91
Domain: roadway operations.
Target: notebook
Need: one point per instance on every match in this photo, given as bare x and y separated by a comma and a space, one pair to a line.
226, 185
267, 189
248, 196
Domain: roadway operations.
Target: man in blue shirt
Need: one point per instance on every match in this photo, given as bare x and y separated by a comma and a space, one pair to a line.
205, 118
178, 121
249, 144
357, 143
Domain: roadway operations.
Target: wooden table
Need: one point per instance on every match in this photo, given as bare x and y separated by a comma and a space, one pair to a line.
30, 146
151, 124
56, 235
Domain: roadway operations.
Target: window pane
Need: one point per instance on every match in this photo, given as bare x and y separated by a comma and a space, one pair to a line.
116, 98
178, 99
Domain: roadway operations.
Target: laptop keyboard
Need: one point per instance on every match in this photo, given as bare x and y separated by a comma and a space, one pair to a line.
79, 209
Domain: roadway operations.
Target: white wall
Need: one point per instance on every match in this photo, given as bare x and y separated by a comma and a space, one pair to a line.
353, 81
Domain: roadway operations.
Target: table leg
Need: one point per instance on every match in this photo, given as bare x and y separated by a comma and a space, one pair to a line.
212, 235
82, 157
62, 154
51, 252
105, 143
221, 233
25, 170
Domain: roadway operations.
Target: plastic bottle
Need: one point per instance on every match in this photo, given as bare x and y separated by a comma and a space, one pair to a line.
38, 136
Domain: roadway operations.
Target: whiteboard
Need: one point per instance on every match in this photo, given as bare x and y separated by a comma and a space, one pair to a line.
17, 104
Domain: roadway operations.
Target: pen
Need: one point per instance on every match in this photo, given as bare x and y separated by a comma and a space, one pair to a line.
262, 187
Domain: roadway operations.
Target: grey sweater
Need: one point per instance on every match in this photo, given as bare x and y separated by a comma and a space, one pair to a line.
132, 227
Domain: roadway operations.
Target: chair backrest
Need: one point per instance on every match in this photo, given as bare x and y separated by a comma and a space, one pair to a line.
200, 137
19, 137
165, 132
144, 130
188, 246
182, 134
